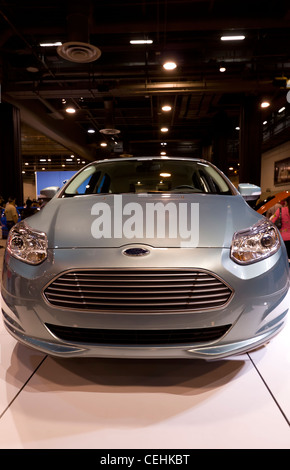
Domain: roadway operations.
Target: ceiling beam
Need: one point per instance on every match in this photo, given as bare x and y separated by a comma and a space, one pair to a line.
68, 135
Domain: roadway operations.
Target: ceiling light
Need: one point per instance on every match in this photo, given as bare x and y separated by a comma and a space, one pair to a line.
70, 110
162, 153
166, 108
281, 109
232, 38
265, 104
169, 65
222, 68
91, 131
32, 69
265, 122
163, 143
165, 175
103, 144
50, 44
141, 41
237, 128
164, 129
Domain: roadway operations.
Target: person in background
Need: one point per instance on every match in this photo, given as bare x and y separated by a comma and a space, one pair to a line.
29, 210
11, 213
285, 229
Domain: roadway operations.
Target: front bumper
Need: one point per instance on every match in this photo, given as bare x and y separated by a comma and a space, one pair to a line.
256, 312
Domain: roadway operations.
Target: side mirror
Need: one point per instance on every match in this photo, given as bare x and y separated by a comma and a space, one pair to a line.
250, 192
49, 192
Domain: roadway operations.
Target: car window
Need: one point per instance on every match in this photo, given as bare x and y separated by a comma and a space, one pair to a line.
147, 176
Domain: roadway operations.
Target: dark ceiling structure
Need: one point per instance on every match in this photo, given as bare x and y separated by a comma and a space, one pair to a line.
118, 89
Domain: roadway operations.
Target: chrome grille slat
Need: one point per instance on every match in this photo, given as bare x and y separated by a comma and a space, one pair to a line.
121, 290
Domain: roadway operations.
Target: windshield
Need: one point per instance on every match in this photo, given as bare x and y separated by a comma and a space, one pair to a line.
147, 176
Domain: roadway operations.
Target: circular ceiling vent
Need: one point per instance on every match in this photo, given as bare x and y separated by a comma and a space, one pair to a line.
79, 52
110, 131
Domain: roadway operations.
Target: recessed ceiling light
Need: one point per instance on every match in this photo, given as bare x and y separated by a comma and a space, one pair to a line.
70, 110
166, 108
32, 69
232, 38
141, 41
222, 69
91, 131
169, 65
265, 104
164, 129
103, 144
50, 44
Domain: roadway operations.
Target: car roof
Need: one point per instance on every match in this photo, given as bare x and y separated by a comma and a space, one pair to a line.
157, 157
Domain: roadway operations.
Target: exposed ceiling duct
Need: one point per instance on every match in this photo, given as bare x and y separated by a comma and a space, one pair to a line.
109, 119
78, 48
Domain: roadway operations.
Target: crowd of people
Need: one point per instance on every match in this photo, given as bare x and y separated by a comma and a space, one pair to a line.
11, 213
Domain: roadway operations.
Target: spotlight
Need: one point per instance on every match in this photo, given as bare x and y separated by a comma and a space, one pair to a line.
169, 65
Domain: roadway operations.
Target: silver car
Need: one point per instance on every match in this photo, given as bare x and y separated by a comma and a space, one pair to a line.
146, 258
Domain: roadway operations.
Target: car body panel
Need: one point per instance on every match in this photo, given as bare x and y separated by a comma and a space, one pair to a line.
225, 213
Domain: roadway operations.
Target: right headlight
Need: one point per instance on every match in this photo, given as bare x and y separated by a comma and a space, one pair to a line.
255, 243
27, 244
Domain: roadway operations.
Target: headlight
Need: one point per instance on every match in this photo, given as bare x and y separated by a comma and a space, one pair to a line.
27, 244
255, 243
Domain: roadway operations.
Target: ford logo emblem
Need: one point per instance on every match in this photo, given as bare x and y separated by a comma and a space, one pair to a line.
136, 252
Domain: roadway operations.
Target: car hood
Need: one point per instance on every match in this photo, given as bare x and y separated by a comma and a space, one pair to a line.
163, 220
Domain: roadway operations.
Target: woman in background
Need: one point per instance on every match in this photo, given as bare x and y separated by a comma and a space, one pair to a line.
285, 228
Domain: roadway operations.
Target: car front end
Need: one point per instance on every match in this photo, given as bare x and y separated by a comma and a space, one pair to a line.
89, 276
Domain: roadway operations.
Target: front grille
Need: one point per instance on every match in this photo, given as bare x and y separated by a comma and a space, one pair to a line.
137, 337
139, 290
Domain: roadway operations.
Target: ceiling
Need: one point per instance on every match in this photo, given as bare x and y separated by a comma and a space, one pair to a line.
118, 89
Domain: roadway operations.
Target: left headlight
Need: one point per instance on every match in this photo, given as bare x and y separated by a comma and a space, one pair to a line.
27, 244
255, 243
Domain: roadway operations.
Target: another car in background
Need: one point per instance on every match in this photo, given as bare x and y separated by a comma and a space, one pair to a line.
266, 204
